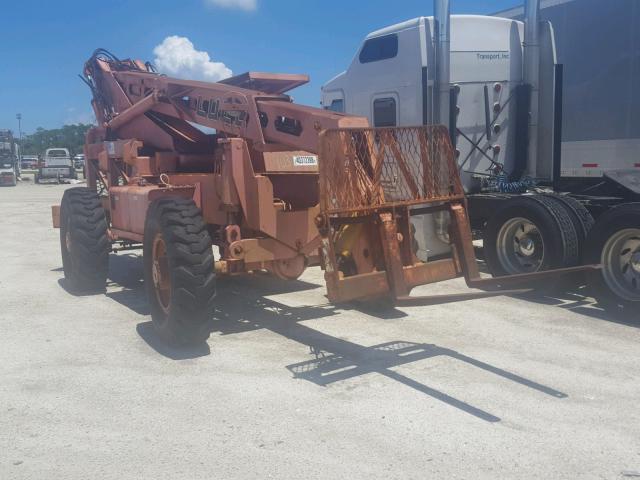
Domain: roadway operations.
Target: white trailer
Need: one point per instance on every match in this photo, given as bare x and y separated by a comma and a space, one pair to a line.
497, 83
598, 44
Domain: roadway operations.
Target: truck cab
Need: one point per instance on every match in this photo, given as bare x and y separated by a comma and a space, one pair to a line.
391, 81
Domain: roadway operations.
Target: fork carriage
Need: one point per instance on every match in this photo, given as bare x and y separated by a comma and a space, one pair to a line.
374, 181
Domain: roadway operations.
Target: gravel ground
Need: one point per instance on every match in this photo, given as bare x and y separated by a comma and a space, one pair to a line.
290, 386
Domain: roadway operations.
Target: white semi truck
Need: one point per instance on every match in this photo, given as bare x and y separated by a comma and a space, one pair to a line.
498, 85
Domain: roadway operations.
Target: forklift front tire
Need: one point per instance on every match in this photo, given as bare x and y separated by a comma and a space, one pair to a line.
179, 271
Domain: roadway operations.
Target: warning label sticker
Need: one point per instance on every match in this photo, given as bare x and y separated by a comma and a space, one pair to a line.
305, 161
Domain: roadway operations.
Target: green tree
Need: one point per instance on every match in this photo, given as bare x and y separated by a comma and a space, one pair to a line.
69, 136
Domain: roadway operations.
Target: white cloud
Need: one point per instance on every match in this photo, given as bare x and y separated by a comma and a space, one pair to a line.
247, 5
177, 57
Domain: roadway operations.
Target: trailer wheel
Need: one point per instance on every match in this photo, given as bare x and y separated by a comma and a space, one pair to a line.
84, 243
178, 271
614, 242
529, 234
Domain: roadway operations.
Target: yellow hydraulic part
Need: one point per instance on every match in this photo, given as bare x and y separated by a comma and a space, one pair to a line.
347, 239
353, 250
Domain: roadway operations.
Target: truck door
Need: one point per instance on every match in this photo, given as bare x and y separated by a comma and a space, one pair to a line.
334, 100
385, 107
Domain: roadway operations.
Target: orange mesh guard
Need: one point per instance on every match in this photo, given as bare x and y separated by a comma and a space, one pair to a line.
366, 169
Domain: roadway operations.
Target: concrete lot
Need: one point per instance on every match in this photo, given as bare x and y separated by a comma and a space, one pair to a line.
291, 387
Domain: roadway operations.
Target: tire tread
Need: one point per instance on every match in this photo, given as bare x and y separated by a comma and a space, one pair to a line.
192, 271
89, 267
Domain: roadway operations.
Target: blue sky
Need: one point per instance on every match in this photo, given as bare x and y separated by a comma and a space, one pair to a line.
43, 44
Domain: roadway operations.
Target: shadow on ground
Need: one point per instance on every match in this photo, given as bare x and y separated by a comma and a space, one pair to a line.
333, 359
69, 289
125, 271
571, 293
148, 334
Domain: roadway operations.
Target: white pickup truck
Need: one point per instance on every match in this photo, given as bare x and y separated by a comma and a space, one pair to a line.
57, 163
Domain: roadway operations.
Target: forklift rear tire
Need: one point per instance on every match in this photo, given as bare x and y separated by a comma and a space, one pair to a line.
529, 234
84, 243
179, 271
614, 242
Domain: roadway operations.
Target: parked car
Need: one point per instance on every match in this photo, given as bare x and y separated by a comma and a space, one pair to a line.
78, 161
29, 162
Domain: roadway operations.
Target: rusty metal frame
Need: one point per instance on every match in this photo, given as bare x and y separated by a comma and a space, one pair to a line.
340, 177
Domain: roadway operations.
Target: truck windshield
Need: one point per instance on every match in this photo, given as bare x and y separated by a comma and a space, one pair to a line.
57, 153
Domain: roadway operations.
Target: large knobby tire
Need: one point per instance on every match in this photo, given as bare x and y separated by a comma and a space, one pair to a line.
530, 233
84, 242
179, 271
614, 242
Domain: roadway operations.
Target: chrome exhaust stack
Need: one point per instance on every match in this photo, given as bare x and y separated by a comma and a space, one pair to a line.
442, 40
531, 77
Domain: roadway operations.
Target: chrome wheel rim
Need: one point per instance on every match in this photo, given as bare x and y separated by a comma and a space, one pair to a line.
621, 264
520, 246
